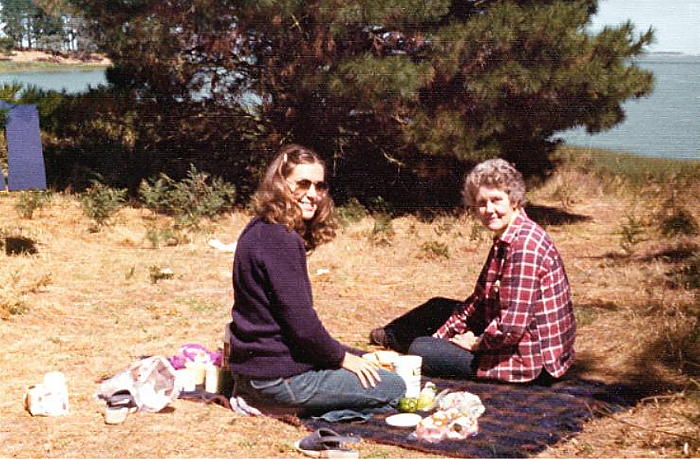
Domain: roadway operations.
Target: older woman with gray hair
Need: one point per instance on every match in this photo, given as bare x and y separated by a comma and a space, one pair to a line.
518, 325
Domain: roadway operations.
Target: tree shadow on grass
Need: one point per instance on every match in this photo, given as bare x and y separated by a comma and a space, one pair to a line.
629, 387
673, 254
18, 245
546, 215
543, 215
662, 366
650, 380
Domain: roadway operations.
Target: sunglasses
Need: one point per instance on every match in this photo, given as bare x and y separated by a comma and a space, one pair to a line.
304, 185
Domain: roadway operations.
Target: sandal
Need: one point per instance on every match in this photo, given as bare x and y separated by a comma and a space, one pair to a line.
326, 443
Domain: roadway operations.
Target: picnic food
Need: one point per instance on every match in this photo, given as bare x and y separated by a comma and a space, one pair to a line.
427, 396
456, 418
450, 424
407, 404
384, 359
465, 402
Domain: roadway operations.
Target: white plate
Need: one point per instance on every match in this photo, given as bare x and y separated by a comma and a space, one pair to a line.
404, 420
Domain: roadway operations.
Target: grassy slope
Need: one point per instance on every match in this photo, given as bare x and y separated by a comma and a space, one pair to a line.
91, 310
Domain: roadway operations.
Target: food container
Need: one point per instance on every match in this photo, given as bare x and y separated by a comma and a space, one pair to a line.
409, 368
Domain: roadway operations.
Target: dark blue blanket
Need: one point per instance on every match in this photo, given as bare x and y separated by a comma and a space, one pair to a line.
520, 420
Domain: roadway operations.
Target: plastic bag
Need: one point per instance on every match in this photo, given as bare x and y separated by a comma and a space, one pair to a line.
150, 381
455, 419
465, 402
49, 398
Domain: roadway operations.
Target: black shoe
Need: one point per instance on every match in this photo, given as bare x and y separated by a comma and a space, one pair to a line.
378, 337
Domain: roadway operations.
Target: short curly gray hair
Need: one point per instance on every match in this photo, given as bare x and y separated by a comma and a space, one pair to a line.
496, 173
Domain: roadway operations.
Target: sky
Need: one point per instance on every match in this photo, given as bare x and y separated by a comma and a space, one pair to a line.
676, 22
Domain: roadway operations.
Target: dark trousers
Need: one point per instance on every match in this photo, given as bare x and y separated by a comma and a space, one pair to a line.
412, 332
443, 359
423, 320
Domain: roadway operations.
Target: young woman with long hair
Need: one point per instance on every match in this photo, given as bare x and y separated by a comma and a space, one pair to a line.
282, 357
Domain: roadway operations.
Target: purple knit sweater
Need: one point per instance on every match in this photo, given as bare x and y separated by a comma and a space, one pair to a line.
275, 330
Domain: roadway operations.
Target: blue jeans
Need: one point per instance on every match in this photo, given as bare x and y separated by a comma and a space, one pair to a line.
319, 391
443, 359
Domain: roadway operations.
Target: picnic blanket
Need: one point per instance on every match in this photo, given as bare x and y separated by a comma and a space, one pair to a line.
519, 420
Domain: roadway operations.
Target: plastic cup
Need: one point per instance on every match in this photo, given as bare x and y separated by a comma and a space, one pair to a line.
185, 380
211, 380
199, 371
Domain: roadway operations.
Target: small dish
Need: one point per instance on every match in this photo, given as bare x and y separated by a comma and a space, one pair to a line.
404, 420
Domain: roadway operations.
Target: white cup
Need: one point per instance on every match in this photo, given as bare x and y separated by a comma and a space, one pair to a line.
199, 370
185, 380
408, 367
211, 380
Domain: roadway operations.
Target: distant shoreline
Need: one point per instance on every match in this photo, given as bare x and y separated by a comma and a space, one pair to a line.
670, 53
64, 58
33, 60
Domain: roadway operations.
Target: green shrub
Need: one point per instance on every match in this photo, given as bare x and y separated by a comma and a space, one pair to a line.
30, 201
14, 287
444, 226
678, 222
584, 316
435, 249
12, 306
100, 202
158, 236
631, 233
633, 170
155, 194
351, 212
7, 44
188, 200
380, 205
477, 232
157, 273
564, 192
383, 231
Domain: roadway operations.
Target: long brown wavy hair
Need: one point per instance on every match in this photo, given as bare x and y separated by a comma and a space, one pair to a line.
274, 202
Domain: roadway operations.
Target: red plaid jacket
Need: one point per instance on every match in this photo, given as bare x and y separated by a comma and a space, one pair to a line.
521, 307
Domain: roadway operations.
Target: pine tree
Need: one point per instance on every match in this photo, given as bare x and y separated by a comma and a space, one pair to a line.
15, 18
380, 84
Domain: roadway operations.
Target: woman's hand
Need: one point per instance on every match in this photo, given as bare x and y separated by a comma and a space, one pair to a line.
365, 370
466, 341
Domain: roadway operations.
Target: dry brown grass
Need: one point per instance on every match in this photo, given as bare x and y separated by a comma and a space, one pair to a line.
91, 309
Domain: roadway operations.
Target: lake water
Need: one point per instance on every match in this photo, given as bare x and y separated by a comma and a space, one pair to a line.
664, 124
73, 82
